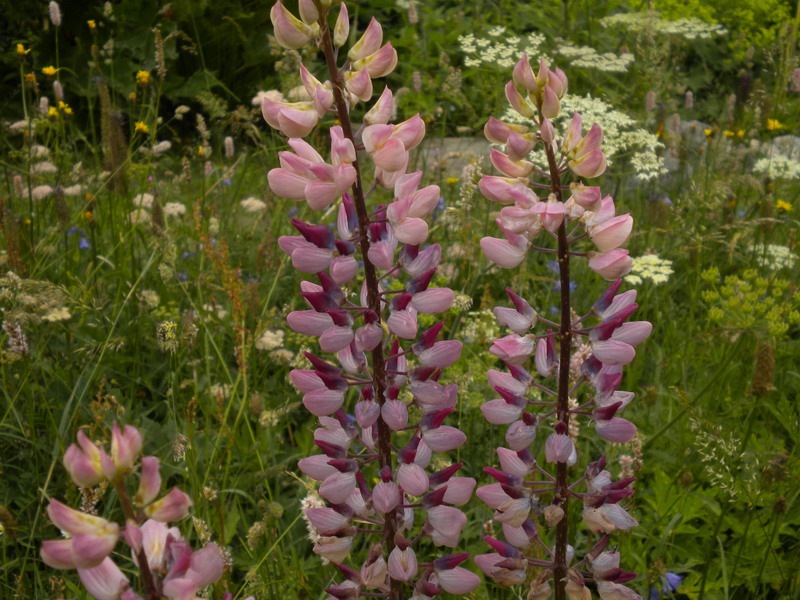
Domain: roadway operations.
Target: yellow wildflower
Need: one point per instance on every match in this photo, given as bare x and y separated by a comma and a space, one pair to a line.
21, 50
200, 151
143, 77
63, 106
141, 127
773, 124
92, 24
451, 180
30, 78
708, 132
728, 133
49, 71
52, 112
783, 205
132, 96
740, 133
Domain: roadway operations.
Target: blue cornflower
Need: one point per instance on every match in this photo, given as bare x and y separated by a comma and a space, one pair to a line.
84, 244
669, 585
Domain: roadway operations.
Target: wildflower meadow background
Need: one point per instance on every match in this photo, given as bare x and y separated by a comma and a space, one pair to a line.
144, 294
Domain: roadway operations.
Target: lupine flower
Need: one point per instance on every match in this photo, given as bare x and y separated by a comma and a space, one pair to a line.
373, 331
525, 488
168, 568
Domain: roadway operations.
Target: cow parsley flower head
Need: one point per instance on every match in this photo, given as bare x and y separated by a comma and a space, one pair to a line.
649, 266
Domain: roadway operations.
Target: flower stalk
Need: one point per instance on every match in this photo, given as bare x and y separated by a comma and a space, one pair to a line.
521, 498
380, 403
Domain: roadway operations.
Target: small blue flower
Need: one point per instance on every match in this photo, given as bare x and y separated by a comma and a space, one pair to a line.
293, 211
186, 254
72, 230
672, 581
182, 276
554, 310
440, 204
553, 266
84, 244
741, 213
226, 182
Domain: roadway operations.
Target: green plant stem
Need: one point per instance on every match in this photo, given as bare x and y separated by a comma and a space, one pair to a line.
373, 293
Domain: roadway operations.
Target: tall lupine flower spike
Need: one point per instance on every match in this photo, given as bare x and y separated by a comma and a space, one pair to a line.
378, 391
167, 566
530, 499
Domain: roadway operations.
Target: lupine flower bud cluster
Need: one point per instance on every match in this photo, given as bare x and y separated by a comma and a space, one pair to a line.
378, 397
168, 567
530, 497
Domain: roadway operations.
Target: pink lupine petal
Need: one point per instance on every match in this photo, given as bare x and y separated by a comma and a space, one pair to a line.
441, 354
611, 265
589, 165
458, 580
289, 30
519, 435
309, 322
633, 333
326, 520
297, 122
617, 430
375, 136
500, 412
444, 438
105, 581
335, 549
379, 63
403, 323
410, 132
382, 110
311, 259
386, 496
502, 252
369, 41
497, 189
320, 194
395, 414
433, 300
459, 490
316, 467
337, 487
412, 479
58, 554
334, 338
612, 233
174, 506
323, 402
509, 167
493, 495
511, 463
411, 231
609, 590
402, 564
424, 201
613, 352
343, 269
516, 536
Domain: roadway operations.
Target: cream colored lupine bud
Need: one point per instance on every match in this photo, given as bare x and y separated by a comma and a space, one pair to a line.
44, 105
229, 148
553, 515
58, 91
688, 100
341, 30
55, 13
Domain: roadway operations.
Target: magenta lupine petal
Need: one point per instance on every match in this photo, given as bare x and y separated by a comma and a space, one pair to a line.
616, 430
